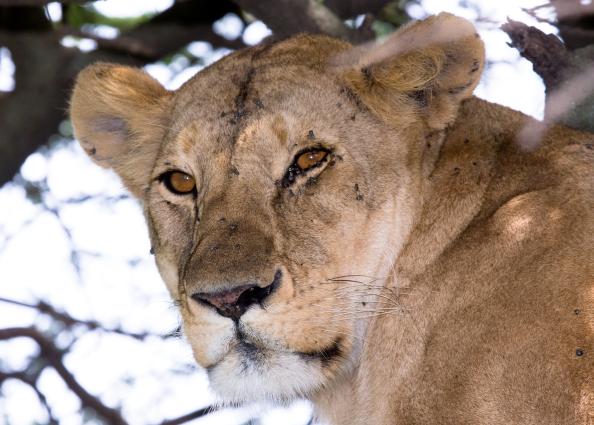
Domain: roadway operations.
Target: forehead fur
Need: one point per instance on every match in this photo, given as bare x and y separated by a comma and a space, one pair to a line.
230, 86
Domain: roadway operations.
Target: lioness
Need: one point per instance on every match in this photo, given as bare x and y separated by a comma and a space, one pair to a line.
350, 225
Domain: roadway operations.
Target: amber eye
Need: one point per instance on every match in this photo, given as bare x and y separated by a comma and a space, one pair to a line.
179, 183
310, 159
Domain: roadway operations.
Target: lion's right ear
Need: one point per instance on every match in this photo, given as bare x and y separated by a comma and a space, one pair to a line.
422, 71
119, 118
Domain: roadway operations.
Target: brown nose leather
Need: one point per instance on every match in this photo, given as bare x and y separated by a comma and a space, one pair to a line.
225, 299
234, 302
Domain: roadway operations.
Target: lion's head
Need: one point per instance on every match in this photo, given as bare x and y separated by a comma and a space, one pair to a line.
279, 186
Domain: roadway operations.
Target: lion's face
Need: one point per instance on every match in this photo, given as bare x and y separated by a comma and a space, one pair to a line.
277, 196
294, 192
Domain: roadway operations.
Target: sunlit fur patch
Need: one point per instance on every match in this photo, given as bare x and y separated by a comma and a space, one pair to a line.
209, 334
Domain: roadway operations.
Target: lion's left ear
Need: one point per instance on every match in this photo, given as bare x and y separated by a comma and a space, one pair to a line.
119, 118
424, 71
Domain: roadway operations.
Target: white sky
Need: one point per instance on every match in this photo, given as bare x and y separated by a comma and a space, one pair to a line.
118, 283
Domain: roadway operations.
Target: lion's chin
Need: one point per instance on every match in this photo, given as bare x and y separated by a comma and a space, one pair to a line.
250, 374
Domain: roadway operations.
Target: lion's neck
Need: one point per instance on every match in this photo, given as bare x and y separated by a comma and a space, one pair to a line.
387, 368
450, 188
452, 181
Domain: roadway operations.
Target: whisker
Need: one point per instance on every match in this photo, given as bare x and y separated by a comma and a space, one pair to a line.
353, 275
358, 338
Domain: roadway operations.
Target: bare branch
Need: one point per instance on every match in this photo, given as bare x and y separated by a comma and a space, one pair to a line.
574, 20
567, 77
54, 356
31, 381
68, 320
150, 43
546, 52
288, 17
350, 8
182, 23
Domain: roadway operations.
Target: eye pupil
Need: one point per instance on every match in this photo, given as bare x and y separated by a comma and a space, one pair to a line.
180, 183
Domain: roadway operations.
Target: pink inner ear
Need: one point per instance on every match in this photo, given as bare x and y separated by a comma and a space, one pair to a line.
107, 124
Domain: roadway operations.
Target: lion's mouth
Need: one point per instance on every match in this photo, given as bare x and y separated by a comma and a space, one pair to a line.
253, 369
256, 354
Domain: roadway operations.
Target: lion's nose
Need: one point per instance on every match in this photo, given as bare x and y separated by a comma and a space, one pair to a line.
234, 302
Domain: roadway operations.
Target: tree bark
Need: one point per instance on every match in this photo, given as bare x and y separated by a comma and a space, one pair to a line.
54, 356
288, 17
575, 21
45, 70
567, 75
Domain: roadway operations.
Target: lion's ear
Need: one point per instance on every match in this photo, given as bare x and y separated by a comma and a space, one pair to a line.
118, 114
423, 70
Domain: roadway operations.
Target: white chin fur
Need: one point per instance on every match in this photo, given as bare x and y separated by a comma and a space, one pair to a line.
271, 376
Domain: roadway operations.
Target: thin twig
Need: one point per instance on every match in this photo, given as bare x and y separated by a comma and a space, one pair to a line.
190, 416
31, 381
68, 320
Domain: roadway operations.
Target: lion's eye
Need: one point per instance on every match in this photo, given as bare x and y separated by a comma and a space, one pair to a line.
179, 183
303, 162
310, 159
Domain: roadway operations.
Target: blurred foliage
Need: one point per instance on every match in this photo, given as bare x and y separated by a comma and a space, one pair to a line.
391, 17
78, 15
395, 12
382, 28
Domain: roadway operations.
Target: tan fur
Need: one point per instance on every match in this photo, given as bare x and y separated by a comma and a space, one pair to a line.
432, 271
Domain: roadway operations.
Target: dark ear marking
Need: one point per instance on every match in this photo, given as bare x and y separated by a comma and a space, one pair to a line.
420, 97
420, 73
114, 111
101, 72
259, 104
366, 71
107, 124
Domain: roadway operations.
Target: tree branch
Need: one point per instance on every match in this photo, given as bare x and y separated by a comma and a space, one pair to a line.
151, 42
547, 53
45, 70
24, 377
567, 75
289, 17
350, 8
68, 320
176, 27
54, 356
575, 20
